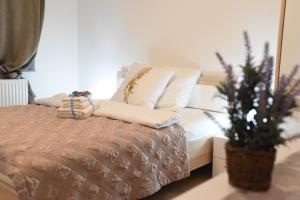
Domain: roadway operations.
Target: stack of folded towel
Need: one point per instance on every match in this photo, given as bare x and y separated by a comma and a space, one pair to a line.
77, 107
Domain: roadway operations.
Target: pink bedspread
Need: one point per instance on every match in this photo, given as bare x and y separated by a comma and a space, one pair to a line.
98, 158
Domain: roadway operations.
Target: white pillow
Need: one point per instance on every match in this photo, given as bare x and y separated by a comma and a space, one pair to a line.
205, 97
54, 101
147, 89
119, 94
180, 89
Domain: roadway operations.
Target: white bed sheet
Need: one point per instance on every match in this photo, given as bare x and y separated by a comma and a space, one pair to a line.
200, 131
197, 125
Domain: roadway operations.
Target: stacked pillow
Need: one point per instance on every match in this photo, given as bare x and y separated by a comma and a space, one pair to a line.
143, 86
180, 89
154, 87
205, 97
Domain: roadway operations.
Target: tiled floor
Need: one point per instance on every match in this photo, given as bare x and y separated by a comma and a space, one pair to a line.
172, 190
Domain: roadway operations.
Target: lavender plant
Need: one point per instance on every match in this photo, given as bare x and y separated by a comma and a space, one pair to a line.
255, 110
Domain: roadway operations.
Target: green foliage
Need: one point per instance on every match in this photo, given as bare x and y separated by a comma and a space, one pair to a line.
255, 111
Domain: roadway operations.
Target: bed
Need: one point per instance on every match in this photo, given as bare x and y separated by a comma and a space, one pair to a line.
199, 146
46, 157
134, 160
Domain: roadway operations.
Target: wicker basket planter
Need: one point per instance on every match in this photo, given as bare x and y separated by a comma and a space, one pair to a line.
250, 169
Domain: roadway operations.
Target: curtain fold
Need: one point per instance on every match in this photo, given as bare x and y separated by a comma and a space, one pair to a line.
21, 24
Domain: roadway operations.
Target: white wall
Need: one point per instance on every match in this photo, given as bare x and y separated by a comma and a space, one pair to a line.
85, 42
291, 41
57, 58
113, 33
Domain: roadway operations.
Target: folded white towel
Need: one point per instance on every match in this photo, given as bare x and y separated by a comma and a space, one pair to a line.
54, 101
76, 105
80, 99
136, 114
78, 113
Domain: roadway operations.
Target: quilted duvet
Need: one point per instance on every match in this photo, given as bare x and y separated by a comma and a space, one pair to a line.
98, 158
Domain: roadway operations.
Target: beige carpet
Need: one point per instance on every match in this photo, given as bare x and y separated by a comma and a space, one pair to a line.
172, 190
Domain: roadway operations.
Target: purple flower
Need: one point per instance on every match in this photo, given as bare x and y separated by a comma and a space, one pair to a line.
254, 93
229, 78
269, 74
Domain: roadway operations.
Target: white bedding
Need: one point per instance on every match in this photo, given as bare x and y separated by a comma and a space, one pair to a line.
180, 89
54, 101
197, 125
292, 126
136, 114
200, 131
147, 85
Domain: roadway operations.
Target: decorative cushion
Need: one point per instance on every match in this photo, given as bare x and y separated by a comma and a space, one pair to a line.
205, 97
180, 89
143, 86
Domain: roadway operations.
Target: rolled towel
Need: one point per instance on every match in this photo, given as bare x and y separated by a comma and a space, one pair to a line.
54, 101
76, 105
77, 113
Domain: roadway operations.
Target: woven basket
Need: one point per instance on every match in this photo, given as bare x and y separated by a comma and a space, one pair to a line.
250, 169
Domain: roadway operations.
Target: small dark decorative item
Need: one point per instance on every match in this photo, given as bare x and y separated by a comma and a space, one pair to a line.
256, 112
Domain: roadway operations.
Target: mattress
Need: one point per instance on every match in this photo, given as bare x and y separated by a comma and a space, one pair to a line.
200, 131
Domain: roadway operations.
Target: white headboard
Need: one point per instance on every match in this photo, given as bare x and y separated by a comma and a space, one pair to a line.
211, 79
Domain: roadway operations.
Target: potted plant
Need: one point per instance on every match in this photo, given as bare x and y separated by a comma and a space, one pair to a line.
256, 112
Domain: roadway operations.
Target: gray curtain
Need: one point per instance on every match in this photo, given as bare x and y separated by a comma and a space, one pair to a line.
20, 30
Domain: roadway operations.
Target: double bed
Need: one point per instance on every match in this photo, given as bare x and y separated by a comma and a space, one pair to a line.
36, 146
39, 139
46, 157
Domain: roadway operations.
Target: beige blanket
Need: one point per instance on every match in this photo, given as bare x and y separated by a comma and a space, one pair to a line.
98, 158
54, 101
